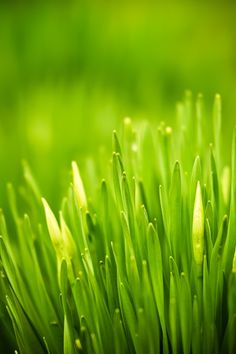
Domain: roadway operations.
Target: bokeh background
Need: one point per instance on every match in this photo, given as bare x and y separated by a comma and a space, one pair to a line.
70, 71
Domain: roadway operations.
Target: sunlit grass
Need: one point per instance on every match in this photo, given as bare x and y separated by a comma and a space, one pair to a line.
140, 261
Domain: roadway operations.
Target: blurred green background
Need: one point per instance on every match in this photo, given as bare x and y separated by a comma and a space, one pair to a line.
70, 71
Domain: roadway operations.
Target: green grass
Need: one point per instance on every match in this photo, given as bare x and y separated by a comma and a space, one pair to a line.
140, 258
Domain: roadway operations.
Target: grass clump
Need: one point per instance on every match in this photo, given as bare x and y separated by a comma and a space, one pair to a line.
143, 262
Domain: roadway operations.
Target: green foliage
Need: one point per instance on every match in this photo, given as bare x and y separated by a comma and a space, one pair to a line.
87, 63
141, 260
